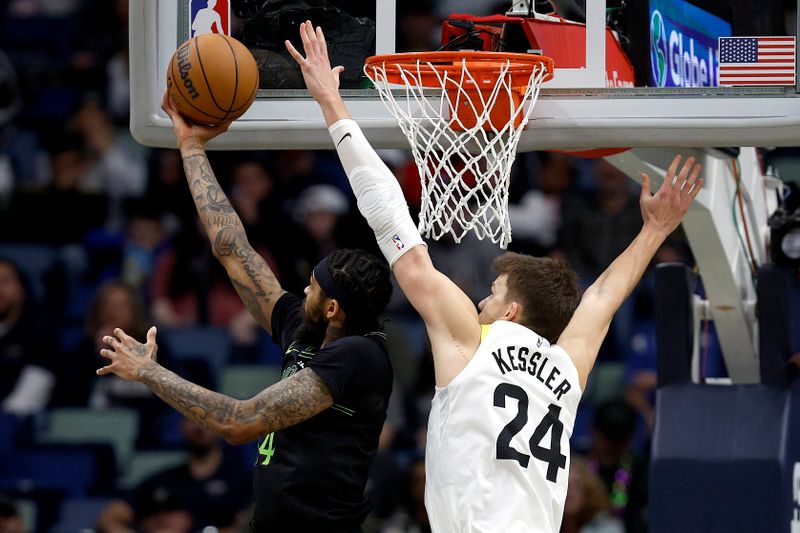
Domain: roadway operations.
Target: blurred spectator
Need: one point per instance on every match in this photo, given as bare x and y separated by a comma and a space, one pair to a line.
162, 512
117, 166
102, 33
27, 374
10, 519
411, 516
167, 193
599, 228
74, 210
468, 263
419, 29
318, 209
295, 170
145, 240
641, 379
115, 305
621, 468
189, 287
212, 489
536, 218
262, 207
118, 82
596, 230
587, 508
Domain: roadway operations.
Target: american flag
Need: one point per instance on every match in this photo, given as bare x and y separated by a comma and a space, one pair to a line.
757, 60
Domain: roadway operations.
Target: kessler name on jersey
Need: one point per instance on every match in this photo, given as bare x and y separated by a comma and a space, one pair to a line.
520, 359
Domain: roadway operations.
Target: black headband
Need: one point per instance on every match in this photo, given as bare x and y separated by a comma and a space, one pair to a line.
347, 301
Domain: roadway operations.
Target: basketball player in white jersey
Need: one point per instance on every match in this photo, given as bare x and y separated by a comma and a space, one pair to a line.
510, 374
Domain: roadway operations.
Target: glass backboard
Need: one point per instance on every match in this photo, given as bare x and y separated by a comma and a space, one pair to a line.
628, 74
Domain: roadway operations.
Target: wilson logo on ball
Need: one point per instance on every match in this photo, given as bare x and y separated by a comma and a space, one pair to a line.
184, 66
212, 78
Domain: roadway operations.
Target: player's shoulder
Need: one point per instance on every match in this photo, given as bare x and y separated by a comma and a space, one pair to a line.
373, 343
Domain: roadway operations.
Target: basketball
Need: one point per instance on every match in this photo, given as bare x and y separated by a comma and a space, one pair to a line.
212, 78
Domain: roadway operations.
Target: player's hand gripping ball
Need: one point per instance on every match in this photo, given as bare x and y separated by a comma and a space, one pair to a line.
212, 78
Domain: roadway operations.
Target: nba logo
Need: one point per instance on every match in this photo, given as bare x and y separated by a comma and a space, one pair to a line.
398, 243
209, 16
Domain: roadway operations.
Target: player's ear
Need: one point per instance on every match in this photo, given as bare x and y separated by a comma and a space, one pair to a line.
333, 311
513, 312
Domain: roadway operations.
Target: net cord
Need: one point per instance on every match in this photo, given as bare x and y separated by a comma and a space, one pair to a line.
464, 170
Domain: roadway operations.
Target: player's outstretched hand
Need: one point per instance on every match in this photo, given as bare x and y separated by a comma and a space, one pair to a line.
665, 210
127, 355
185, 129
321, 80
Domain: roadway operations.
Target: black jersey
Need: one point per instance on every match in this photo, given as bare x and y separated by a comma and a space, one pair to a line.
311, 476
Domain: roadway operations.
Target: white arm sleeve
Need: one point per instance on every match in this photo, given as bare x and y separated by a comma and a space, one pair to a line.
378, 194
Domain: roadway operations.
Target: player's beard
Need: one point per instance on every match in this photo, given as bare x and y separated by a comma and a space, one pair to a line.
311, 331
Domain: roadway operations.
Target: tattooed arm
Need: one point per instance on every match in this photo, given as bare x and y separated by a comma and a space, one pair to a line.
286, 403
251, 276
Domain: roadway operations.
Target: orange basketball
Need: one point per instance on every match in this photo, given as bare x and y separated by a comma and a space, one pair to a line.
212, 78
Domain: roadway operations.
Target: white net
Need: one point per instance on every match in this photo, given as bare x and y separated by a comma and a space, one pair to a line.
463, 151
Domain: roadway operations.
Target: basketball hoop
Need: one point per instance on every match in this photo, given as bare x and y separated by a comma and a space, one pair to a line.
463, 135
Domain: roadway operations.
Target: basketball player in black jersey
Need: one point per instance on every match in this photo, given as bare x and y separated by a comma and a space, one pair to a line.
318, 427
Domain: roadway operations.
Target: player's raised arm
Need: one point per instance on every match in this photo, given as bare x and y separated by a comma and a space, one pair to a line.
662, 213
450, 316
251, 276
284, 404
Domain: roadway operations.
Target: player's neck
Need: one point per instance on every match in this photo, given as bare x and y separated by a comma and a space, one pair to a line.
334, 331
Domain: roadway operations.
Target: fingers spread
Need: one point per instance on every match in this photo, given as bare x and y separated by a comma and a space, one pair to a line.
673, 168
696, 188
294, 53
682, 177
151, 335
645, 185
108, 354
323, 46
121, 335
111, 341
692, 179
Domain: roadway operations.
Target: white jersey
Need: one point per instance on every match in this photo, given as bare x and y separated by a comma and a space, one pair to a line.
497, 456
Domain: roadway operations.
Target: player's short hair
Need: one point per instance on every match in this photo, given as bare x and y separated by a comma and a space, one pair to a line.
367, 279
547, 289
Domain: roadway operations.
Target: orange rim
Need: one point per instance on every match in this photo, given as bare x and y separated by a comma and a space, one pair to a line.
484, 66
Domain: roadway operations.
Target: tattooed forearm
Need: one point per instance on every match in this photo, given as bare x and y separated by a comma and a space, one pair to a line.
284, 404
225, 242
210, 409
290, 401
250, 274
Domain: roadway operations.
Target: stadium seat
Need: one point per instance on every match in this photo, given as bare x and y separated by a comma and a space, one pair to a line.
147, 463
212, 344
245, 381
71, 471
117, 426
79, 514
28, 511
8, 430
